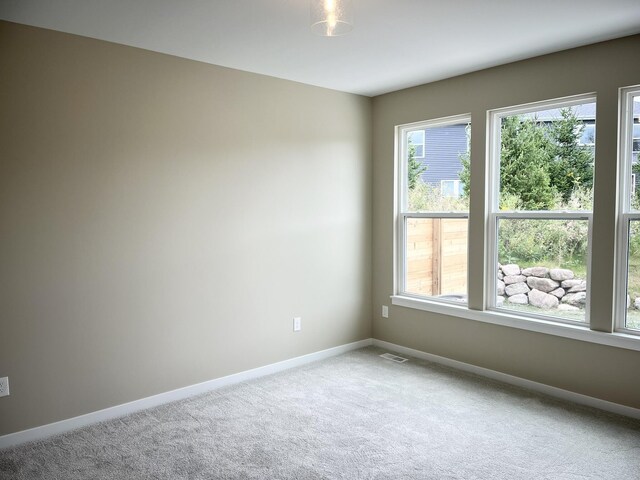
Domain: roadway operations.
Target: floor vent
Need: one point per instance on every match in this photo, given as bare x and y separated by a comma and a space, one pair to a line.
394, 358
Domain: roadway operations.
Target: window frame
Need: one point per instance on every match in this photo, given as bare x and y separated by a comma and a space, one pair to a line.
402, 213
580, 331
492, 185
625, 214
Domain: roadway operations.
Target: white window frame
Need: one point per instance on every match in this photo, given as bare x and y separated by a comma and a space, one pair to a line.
580, 331
494, 118
625, 187
402, 201
424, 141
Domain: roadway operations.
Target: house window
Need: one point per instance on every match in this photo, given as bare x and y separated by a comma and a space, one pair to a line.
415, 142
450, 188
628, 301
540, 193
433, 212
587, 134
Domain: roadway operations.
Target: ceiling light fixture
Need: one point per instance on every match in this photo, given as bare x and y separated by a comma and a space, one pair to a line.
331, 18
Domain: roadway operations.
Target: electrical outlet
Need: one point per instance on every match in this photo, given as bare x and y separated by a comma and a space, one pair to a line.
297, 324
385, 311
4, 386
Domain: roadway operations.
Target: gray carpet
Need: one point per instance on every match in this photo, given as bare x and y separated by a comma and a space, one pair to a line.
356, 416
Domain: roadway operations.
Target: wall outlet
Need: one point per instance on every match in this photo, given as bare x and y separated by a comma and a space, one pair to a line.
385, 311
297, 324
4, 386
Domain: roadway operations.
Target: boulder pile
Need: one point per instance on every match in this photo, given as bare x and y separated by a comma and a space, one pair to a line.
555, 288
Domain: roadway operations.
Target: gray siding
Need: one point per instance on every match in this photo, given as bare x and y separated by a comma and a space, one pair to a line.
443, 147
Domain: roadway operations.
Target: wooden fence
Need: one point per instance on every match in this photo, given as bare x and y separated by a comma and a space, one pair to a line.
436, 253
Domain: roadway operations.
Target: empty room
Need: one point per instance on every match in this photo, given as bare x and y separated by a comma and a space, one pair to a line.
319, 239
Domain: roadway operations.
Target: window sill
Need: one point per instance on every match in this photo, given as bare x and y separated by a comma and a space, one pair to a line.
575, 332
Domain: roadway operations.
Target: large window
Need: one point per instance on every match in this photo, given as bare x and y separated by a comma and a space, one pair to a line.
434, 209
541, 197
533, 224
628, 301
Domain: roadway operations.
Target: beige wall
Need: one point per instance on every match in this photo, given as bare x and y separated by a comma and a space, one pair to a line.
604, 372
164, 220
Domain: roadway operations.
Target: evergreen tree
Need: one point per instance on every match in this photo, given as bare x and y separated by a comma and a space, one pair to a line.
525, 155
572, 164
415, 168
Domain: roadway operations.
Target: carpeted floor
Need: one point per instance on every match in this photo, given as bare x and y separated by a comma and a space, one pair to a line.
355, 416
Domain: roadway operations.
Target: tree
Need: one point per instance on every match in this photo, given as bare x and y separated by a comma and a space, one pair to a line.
465, 174
572, 164
415, 168
525, 155
539, 161
465, 160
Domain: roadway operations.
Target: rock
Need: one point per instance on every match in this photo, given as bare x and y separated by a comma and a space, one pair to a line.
567, 308
558, 292
519, 299
581, 287
543, 284
511, 269
499, 301
509, 279
628, 301
500, 287
542, 300
636, 303
560, 274
516, 289
500, 275
575, 299
571, 283
542, 272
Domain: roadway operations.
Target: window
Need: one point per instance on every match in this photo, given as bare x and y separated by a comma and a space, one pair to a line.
587, 134
415, 141
433, 210
537, 221
628, 301
540, 193
450, 188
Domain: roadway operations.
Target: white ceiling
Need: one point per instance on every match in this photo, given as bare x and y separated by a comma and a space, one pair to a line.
395, 43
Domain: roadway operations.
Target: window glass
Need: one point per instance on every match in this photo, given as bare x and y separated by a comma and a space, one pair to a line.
542, 266
435, 209
633, 277
451, 188
436, 258
631, 217
544, 165
415, 141
438, 182
545, 197
588, 135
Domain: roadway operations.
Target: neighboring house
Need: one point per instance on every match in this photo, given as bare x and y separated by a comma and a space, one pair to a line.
440, 148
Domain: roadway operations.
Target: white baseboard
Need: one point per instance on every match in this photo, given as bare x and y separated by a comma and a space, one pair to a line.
62, 426
517, 381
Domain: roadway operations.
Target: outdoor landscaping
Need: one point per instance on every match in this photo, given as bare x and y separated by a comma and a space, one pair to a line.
544, 166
